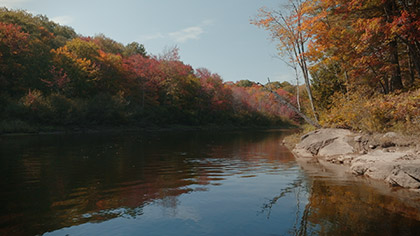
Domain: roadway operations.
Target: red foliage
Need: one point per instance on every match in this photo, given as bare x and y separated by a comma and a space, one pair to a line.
13, 40
143, 74
256, 99
59, 79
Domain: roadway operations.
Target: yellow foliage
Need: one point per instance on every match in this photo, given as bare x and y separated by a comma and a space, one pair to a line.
380, 113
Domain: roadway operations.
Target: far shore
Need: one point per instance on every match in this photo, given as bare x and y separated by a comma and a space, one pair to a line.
150, 128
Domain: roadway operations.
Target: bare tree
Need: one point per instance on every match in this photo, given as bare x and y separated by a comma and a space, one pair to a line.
286, 28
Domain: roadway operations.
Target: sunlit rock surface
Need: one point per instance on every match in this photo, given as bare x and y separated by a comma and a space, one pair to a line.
386, 157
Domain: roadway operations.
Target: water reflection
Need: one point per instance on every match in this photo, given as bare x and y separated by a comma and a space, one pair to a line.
337, 209
344, 205
181, 183
59, 181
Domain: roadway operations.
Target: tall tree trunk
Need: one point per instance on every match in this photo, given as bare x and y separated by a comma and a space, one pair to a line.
308, 89
413, 45
301, 59
385, 85
410, 67
415, 55
396, 81
299, 50
391, 10
297, 94
297, 83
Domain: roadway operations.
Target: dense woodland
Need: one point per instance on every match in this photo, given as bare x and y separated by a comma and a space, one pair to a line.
357, 66
52, 77
363, 58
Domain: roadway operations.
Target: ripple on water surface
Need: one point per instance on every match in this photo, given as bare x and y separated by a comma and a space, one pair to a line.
184, 183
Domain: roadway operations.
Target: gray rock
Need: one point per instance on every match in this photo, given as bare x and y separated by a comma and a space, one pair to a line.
325, 142
395, 168
378, 156
412, 168
358, 138
338, 147
390, 135
379, 171
401, 178
398, 167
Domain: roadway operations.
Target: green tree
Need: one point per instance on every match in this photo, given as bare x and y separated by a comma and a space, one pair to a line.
108, 45
326, 82
245, 83
133, 49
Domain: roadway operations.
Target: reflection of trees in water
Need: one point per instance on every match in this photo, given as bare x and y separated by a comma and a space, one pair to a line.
294, 187
93, 178
297, 187
358, 209
347, 209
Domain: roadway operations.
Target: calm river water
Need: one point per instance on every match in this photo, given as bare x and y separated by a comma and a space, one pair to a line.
182, 183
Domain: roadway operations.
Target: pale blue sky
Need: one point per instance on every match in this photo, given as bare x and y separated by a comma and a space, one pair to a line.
215, 34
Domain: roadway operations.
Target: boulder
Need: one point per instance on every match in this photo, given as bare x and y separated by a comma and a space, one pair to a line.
390, 135
384, 160
406, 175
397, 168
325, 142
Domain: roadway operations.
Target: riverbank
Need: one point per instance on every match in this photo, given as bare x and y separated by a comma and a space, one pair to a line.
391, 158
133, 128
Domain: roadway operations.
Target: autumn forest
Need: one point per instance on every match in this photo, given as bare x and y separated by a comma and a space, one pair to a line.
357, 66
52, 77
363, 58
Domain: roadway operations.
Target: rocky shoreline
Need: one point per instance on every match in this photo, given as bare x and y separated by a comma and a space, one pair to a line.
390, 157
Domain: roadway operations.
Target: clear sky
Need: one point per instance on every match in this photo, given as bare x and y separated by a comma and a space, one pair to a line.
215, 34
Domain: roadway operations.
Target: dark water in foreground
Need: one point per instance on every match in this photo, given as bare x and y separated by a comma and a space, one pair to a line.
182, 183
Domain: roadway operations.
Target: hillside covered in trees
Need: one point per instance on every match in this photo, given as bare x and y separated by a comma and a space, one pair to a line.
358, 61
52, 77
363, 58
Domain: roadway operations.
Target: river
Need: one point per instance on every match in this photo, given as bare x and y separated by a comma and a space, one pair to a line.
183, 183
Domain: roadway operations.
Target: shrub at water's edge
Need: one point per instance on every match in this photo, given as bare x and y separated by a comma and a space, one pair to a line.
378, 113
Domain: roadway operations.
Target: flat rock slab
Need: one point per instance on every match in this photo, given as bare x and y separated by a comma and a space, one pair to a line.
325, 142
397, 168
340, 146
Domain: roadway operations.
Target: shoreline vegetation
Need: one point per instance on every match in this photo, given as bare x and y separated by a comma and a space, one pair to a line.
359, 60
52, 78
39, 130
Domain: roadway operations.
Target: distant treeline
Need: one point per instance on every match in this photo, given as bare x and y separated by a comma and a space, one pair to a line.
51, 76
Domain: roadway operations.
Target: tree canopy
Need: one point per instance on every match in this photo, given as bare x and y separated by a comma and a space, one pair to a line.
356, 52
52, 76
